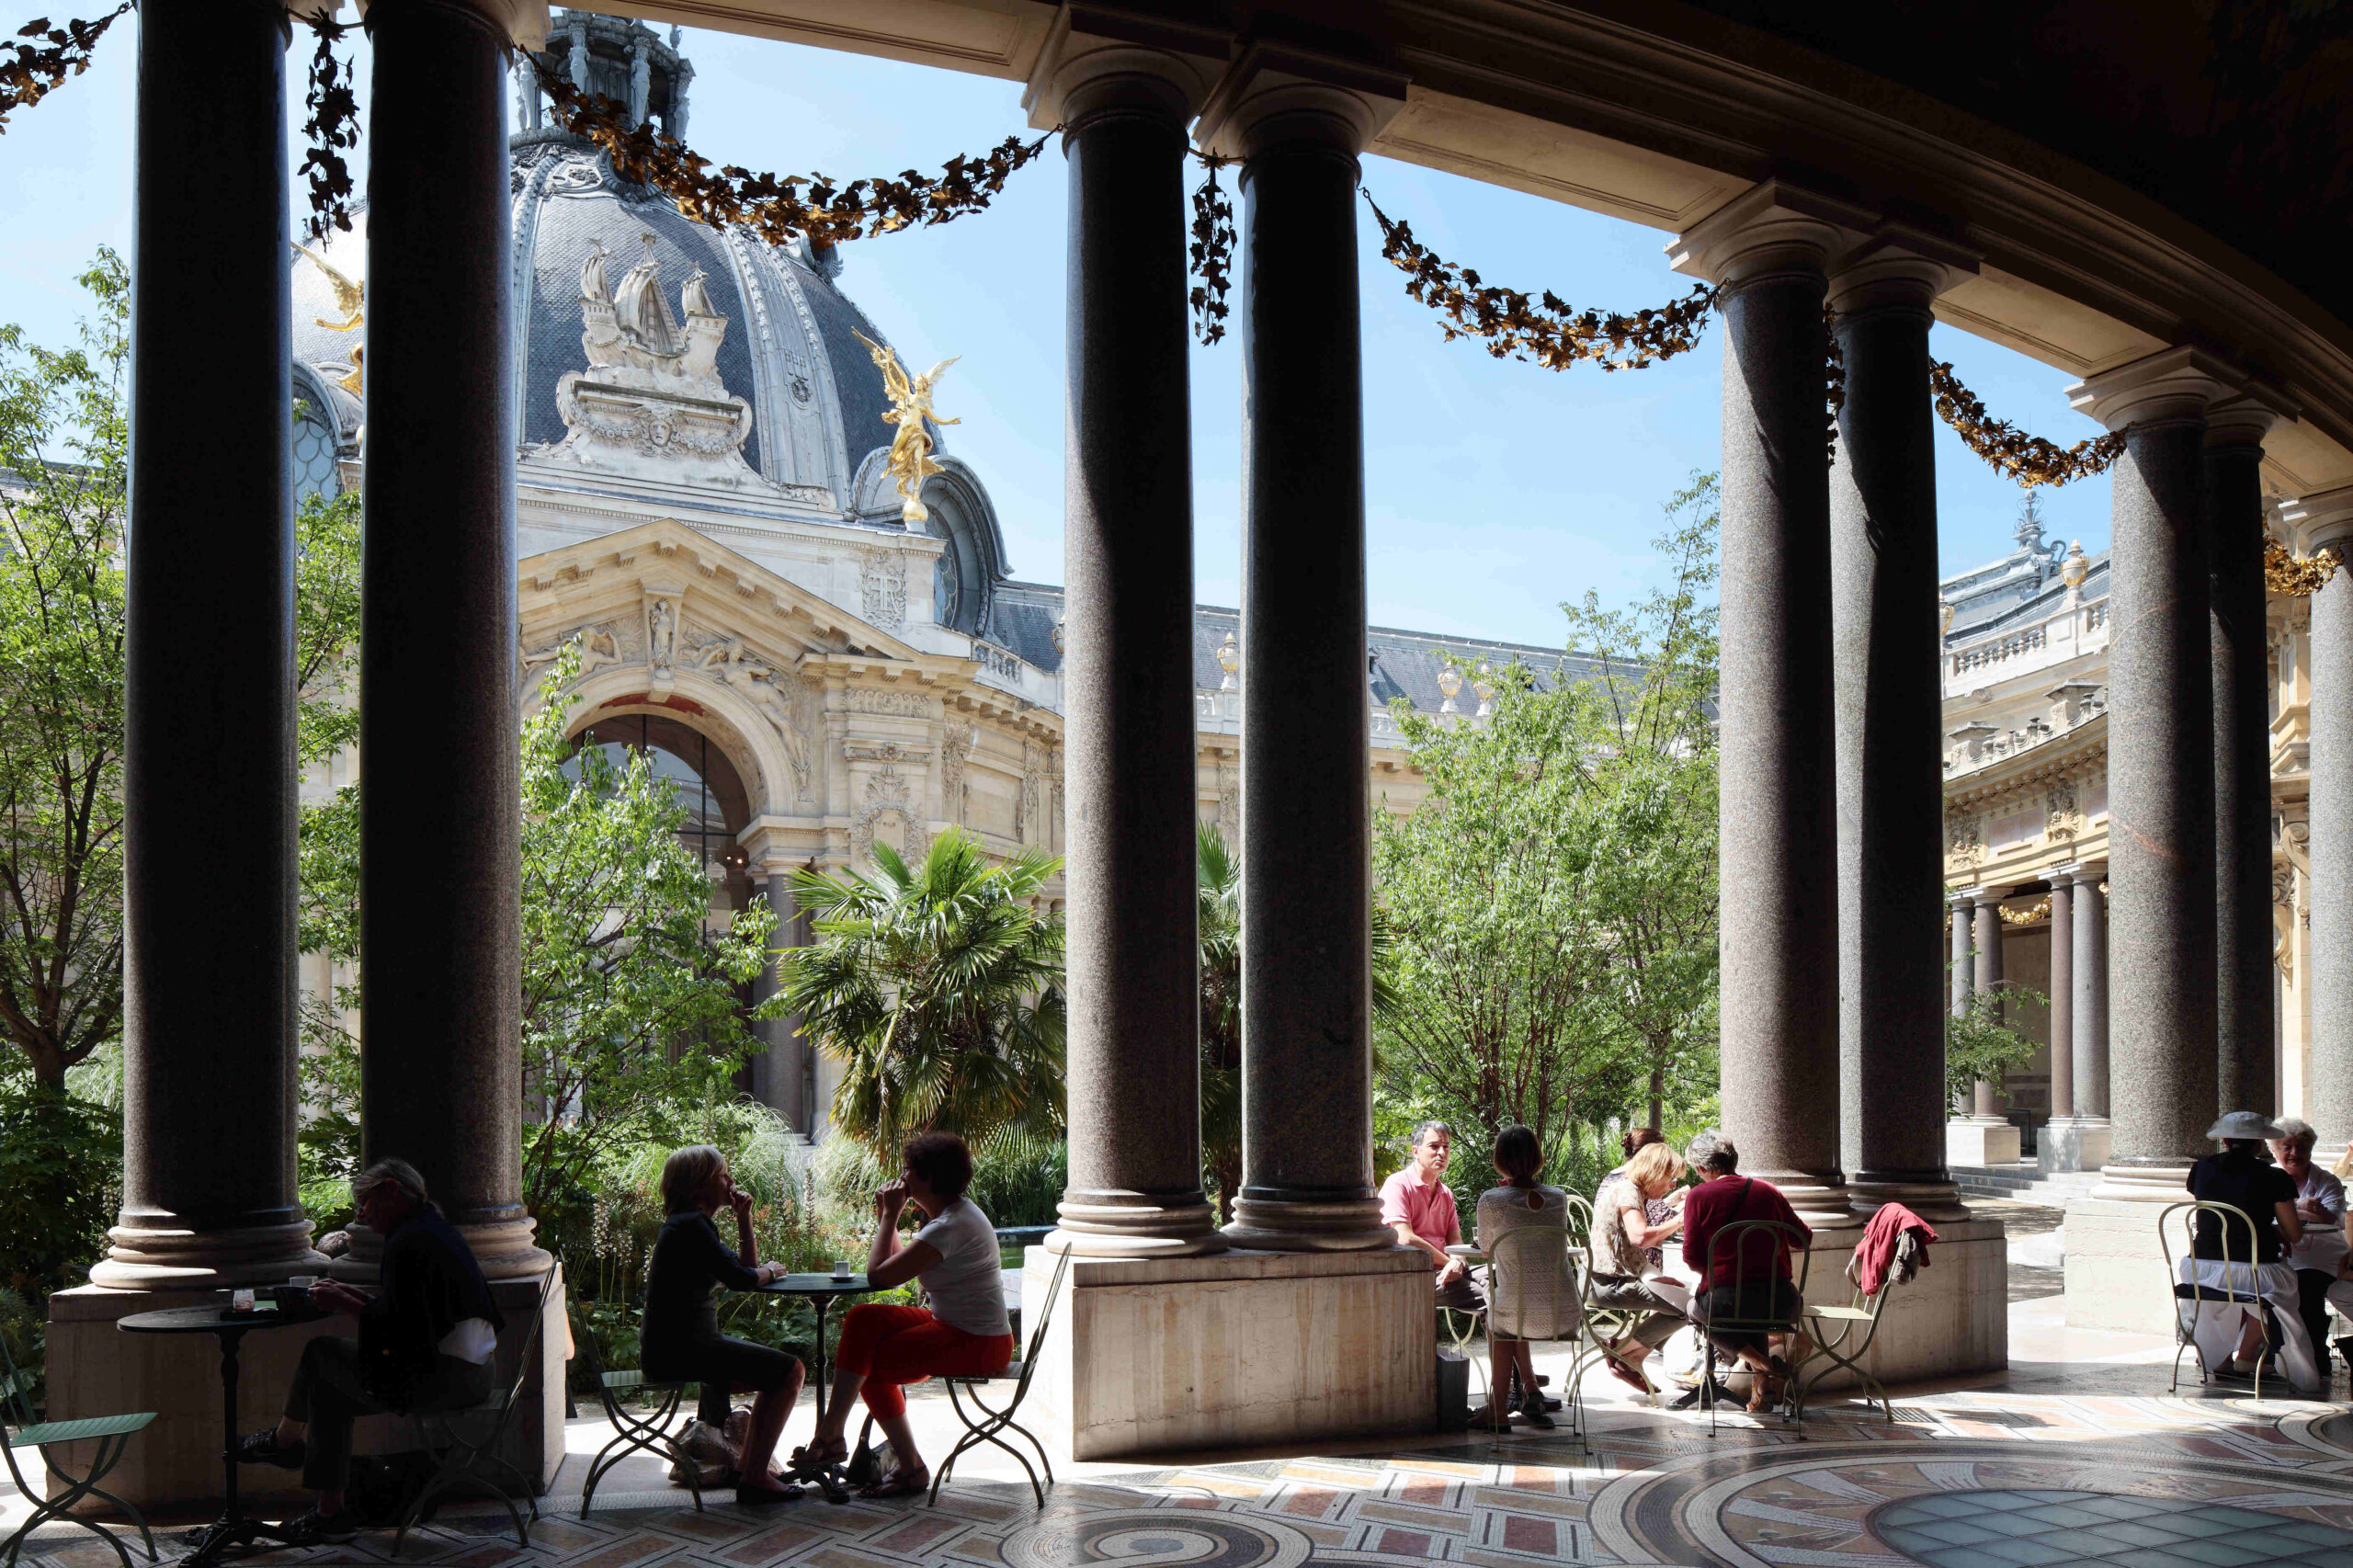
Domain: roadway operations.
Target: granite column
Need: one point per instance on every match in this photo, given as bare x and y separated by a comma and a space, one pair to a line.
2062, 934
1889, 768
440, 1070
1134, 1047
2327, 524
1306, 813
1985, 945
1767, 252
2245, 1078
2090, 980
2161, 767
209, 947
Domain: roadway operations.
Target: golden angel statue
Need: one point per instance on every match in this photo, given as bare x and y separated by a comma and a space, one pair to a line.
910, 461
351, 298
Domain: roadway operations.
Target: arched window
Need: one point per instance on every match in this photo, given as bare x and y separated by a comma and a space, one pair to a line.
317, 470
704, 781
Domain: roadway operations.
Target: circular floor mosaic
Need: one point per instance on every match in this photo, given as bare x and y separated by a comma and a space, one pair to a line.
2015, 1526
1158, 1537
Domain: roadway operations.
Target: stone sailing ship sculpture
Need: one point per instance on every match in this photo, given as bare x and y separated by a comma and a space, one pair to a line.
651, 404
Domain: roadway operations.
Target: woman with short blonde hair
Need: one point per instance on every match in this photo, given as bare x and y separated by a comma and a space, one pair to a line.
1628, 1263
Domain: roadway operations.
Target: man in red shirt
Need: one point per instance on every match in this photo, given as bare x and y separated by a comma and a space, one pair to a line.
1748, 1278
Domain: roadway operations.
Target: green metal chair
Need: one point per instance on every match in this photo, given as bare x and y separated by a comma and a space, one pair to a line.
462, 1459
1752, 1309
989, 1421
1861, 1315
1599, 1327
2238, 1253
635, 1434
20, 1430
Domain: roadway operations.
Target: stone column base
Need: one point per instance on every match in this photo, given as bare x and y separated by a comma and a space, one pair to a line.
95, 1368
1952, 1318
157, 1258
1325, 1224
1933, 1200
2074, 1143
1135, 1230
2116, 1269
1974, 1141
1153, 1355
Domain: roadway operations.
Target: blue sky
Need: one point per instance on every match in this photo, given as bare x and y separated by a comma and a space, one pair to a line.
1495, 489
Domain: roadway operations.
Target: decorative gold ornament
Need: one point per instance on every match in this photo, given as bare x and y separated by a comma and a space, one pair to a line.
2297, 577
40, 58
2076, 566
2029, 460
910, 461
2023, 917
1229, 659
1944, 614
1450, 684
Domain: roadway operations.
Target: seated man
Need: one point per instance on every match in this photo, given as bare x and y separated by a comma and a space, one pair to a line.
426, 1342
1749, 1279
1417, 1203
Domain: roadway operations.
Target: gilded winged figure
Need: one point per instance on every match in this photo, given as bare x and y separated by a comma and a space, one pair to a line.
910, 460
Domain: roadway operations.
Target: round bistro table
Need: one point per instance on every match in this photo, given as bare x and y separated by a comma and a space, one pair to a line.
234, 1528
820, 1291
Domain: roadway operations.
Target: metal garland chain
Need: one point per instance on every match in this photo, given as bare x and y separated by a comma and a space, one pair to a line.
40, 58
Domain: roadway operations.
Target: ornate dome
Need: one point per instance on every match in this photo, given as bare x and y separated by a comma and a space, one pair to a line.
714, 363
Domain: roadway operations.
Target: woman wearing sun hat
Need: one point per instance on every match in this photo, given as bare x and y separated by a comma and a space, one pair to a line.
2242, 1177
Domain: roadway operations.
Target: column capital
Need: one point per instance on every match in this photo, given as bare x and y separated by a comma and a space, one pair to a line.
2244, 421
1274, 94
1962, 900
1982, 897
2322, 519
1097, 58
522, 23
2083, 873
2180, 383
1771, 227
1898, 266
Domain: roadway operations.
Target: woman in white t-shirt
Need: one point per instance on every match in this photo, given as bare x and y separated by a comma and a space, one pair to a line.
964, 1331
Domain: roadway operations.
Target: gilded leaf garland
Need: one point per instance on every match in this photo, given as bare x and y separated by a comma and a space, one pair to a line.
332, 130
2297, 575
1211, 253
40, 58
780, 208
2029, 460
1543, 329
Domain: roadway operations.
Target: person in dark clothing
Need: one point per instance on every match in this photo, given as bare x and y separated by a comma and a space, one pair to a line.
2243, 1177
426, 1343
1750, 1279
680, 1341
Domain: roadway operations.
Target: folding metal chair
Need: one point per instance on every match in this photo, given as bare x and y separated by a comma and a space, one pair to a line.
992, 1422
461, 1458
1860, 1314
635, 1434
2235, 1258
1752, 1304
20, 1430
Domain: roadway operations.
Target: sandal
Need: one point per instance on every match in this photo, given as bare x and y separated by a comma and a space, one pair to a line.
900, 1482
1630, 1375
813, 1455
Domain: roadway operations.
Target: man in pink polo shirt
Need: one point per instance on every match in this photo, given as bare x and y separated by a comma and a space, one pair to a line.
1416, 1204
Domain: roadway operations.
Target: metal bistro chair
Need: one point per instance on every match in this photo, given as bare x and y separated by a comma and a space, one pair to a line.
1752, 1299
1861, 1315
1599, 1327
993, 1421
1525, 1270
461, 1459
2235, 1258
20, 1430
634, 1433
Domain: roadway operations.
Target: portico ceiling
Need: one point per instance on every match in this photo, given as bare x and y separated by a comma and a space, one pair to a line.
1659, 113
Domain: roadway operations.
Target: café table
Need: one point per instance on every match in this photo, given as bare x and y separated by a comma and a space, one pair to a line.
233, 1528
820, 1291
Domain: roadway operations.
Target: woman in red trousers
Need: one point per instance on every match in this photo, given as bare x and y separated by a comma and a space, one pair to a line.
964, 1331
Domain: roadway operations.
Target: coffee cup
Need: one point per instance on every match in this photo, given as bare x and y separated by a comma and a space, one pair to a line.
841, 1270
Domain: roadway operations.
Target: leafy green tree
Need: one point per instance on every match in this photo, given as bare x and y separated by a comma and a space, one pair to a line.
64, 447
1553, 900
939, 988
1218, 881
1979, 1044
632, 1016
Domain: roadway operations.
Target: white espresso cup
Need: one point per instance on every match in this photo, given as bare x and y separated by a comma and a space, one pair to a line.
841, 1270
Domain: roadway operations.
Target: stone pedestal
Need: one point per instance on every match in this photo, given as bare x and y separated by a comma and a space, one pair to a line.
95, 1368
2116, 1269
2073, 1143
1159, 1354
1975, 1141
1951, 1319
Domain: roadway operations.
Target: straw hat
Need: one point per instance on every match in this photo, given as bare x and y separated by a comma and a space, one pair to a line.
2245, 1124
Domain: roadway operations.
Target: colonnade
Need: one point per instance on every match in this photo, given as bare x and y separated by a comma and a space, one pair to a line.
1832, 1041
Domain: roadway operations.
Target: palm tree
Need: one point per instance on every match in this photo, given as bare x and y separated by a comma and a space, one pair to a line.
939, 988
1218, 877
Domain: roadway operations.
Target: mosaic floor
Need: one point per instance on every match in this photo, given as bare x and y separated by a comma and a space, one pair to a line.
2098, 1468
